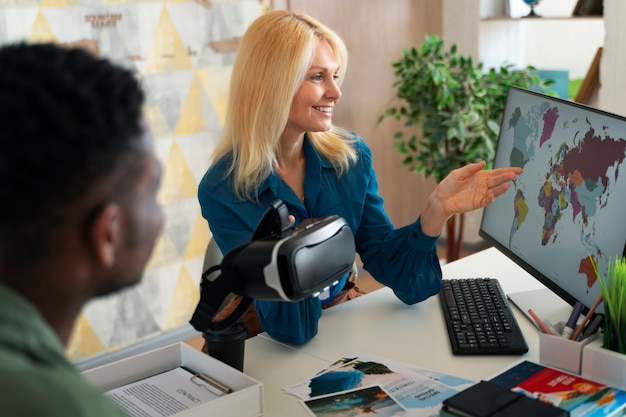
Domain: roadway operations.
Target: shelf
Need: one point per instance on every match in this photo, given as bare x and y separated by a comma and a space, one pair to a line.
533, 41
539, 19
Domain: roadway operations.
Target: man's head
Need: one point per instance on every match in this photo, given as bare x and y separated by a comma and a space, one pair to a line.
78, 174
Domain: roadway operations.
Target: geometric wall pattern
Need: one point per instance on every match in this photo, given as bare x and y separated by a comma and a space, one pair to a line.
182, 51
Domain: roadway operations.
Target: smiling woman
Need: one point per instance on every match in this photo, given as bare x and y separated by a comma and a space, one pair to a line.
279, 142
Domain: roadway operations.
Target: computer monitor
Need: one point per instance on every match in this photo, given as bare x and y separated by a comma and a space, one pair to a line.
570, 201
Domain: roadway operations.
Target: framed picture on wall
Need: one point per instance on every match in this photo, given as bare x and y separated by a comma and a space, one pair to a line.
591, 83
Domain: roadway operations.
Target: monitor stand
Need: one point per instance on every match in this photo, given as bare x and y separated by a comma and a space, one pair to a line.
544, 302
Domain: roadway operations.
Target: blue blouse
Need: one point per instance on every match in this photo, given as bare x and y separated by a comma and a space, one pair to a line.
404, 259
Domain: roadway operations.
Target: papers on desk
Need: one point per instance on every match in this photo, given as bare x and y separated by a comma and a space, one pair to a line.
360, 384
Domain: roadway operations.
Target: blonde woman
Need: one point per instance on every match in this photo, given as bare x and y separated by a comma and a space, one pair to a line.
279, 142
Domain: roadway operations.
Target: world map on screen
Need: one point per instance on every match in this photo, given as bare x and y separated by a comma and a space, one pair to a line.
572, 167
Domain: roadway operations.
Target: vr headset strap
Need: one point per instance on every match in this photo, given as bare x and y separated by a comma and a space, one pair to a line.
213, 294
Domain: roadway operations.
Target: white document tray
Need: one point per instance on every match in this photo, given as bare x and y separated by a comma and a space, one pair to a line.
246, 400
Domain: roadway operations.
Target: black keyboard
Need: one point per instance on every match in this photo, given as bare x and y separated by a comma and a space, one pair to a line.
479, 318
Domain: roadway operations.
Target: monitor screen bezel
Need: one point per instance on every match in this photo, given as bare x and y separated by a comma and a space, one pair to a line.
550, 284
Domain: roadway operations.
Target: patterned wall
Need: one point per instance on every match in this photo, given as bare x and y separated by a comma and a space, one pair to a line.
183, 51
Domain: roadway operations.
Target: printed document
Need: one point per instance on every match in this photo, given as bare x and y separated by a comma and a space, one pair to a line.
164, 394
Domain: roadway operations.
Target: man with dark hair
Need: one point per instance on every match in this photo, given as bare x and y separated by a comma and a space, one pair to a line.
78, 215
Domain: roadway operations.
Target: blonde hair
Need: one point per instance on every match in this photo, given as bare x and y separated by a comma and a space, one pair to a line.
272, 60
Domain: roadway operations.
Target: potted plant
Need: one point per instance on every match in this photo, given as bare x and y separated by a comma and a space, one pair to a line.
604, 360
613, 287
451, 109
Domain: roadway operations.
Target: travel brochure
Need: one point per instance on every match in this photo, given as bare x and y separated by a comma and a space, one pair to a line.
359, 384
580, 396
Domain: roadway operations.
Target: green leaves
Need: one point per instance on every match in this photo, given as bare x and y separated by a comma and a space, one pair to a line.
451, 107
613, 287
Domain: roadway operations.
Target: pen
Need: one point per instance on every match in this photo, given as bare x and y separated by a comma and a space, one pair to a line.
581, 326
213, 382
539, 322
573, 318
592, 327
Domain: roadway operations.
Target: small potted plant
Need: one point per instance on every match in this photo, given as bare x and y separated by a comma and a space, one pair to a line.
604, 360
451, 108
613, 287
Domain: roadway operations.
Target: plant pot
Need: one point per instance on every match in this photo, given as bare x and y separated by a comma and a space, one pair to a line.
454, 236
603, 365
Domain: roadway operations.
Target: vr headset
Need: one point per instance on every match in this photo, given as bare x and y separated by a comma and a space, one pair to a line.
281, 263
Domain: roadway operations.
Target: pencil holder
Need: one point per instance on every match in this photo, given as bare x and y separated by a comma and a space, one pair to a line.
562, 353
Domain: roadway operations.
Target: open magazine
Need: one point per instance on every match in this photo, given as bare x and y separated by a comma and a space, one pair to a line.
362, 384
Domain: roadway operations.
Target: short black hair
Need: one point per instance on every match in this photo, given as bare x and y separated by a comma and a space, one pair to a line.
68, 122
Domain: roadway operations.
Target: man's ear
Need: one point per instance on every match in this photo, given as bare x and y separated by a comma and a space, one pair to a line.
104, 234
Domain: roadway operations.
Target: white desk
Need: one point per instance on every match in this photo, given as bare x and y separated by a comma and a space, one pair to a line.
277, 366
380, 324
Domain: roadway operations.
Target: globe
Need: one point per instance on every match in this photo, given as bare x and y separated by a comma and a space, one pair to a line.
532, 4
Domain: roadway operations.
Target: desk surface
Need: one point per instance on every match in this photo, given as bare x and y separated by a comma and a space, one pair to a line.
380, 324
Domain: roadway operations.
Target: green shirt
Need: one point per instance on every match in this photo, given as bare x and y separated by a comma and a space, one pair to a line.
36, 378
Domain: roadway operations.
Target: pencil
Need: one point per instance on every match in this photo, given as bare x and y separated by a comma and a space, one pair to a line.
581, 326
539, 322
